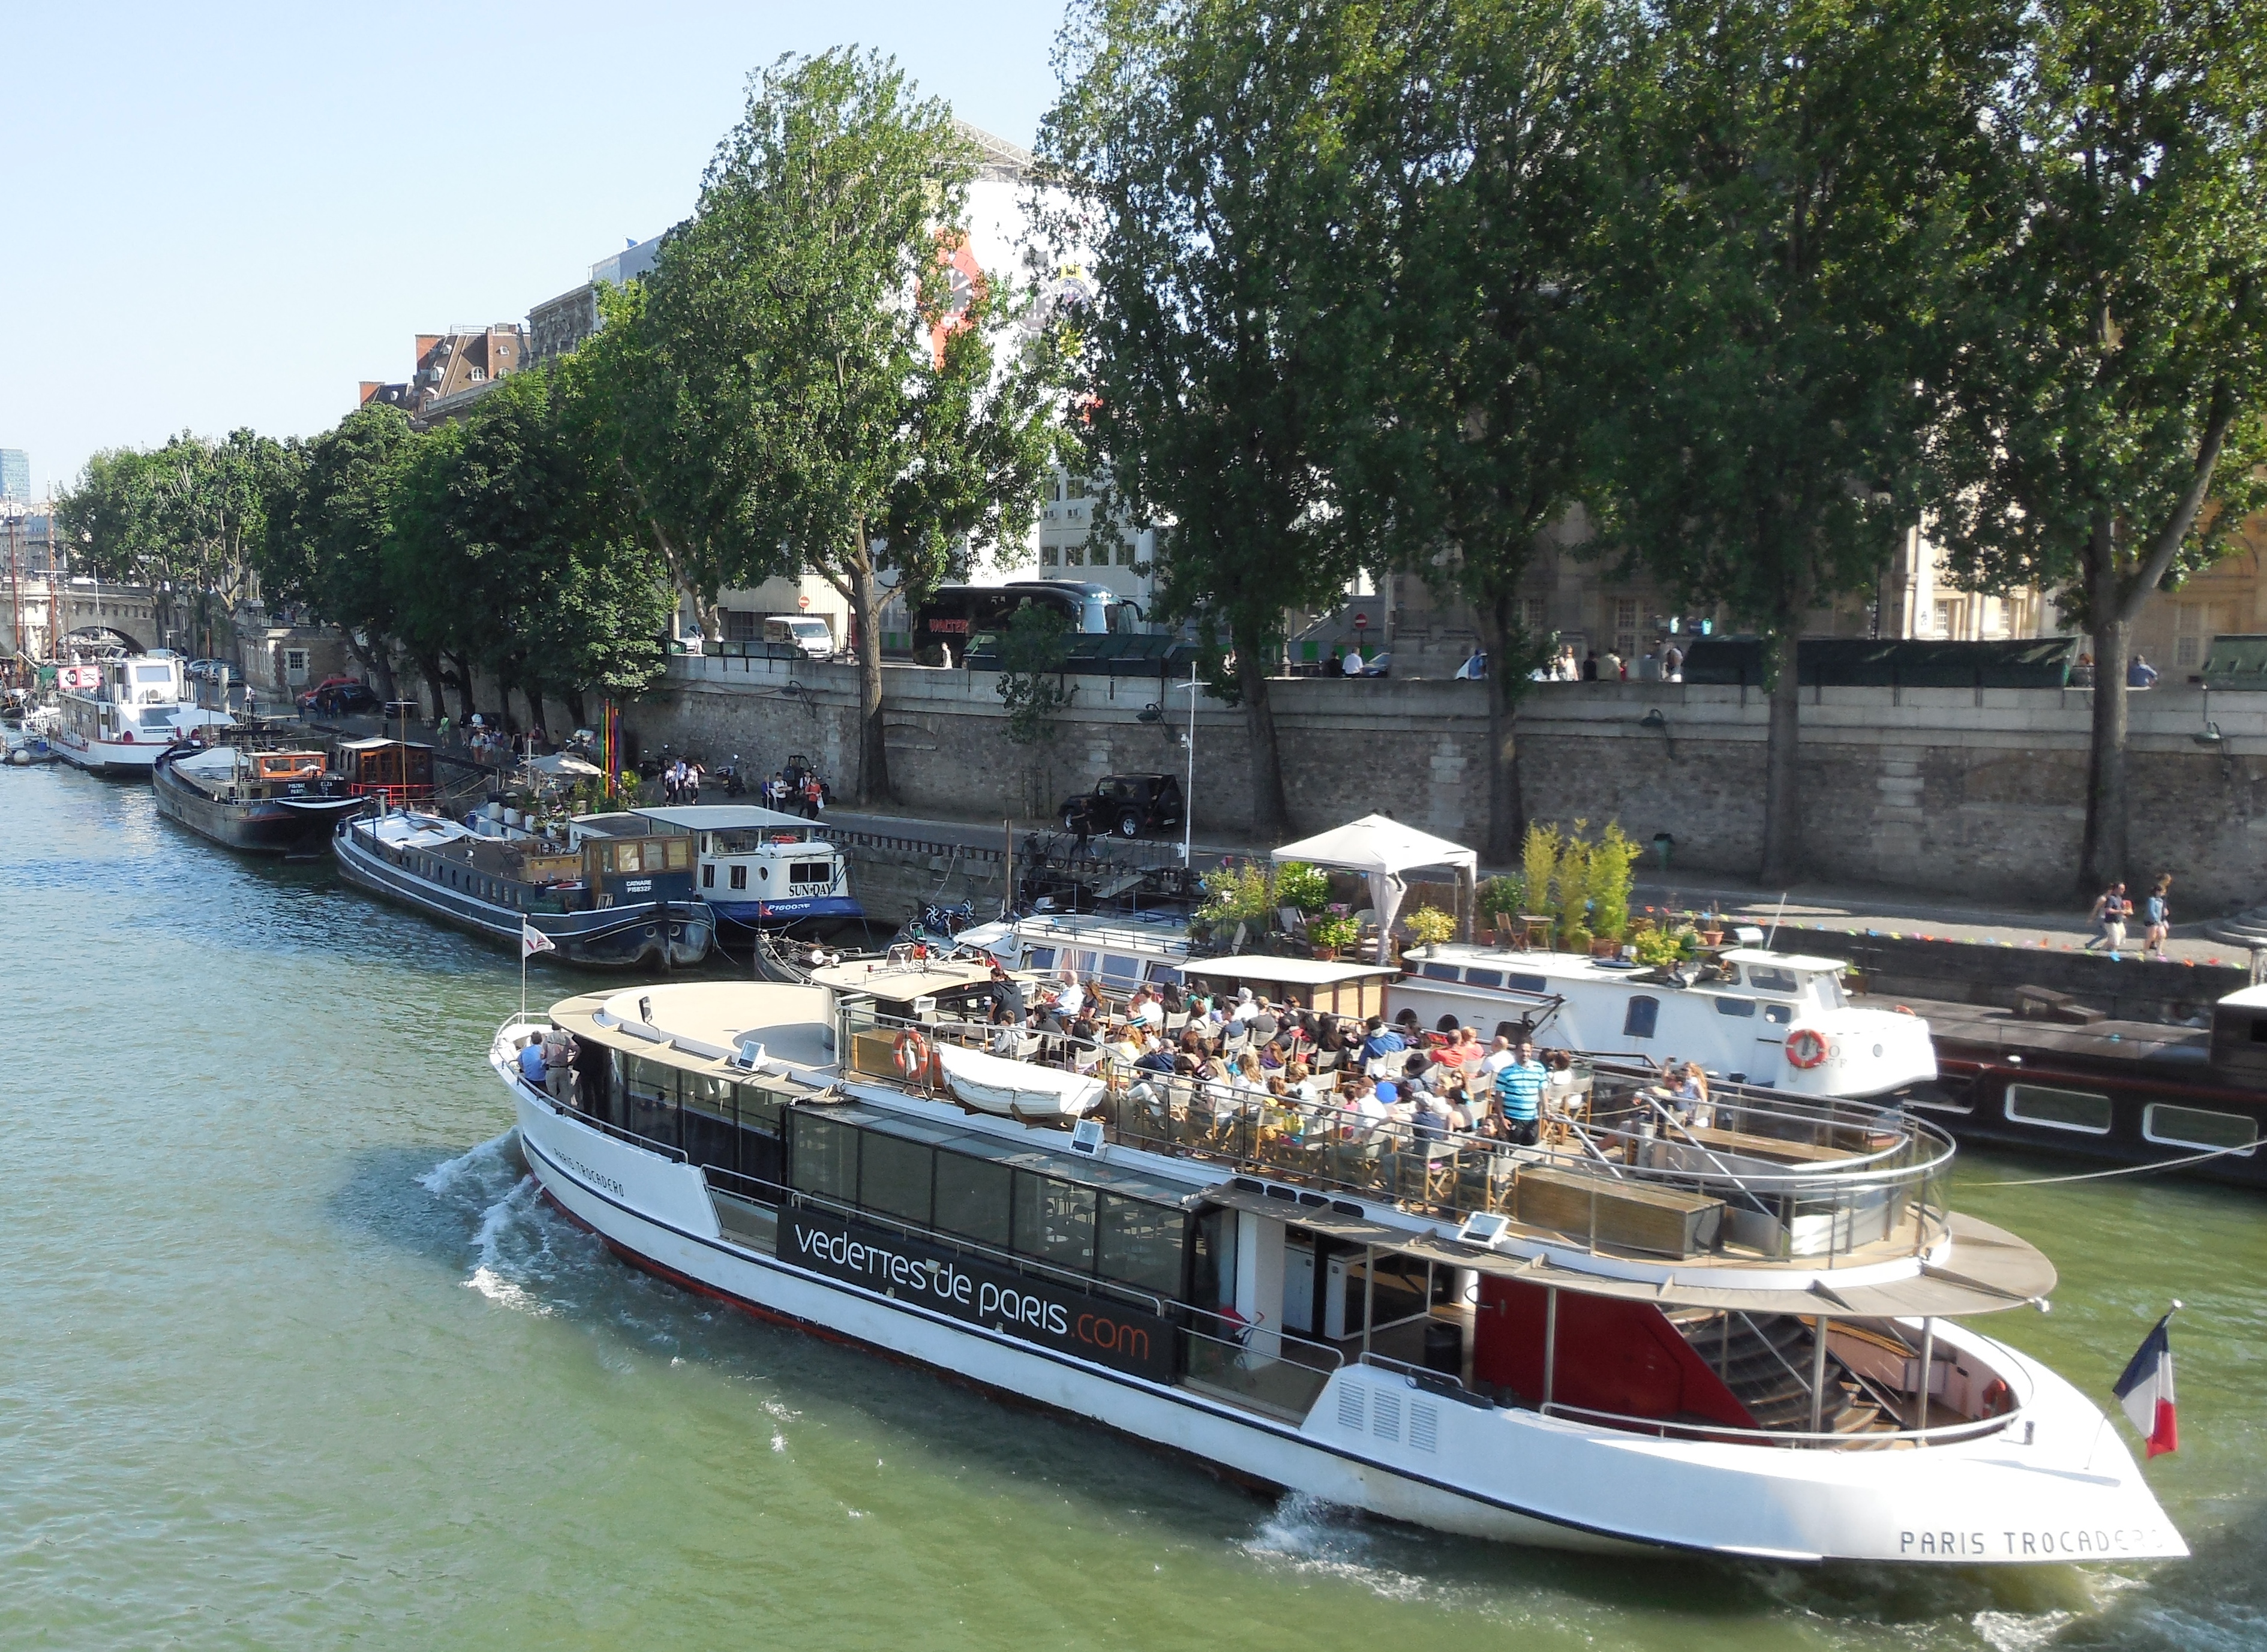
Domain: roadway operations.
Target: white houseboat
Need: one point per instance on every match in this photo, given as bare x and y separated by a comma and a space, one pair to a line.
760, 870
1117, 953
1751, 1015
118, 714
1749, 1340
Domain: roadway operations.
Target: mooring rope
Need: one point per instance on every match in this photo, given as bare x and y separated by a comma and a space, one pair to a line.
2123, 1169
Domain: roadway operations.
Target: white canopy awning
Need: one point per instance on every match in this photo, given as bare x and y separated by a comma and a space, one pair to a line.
1382, 849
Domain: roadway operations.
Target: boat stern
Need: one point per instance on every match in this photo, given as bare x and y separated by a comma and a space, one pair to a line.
1855, 1052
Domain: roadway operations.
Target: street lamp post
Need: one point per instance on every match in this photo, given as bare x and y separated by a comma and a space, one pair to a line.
1189, 794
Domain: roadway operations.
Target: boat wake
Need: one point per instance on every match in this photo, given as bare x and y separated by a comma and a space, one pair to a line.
521, 1249
1309, 1535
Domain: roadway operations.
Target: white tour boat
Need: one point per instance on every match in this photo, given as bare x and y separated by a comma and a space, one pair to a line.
1747, 1335
119, 714
1752, 1016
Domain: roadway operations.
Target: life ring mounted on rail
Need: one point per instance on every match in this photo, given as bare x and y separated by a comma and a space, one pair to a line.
911, 1052
1805, 1048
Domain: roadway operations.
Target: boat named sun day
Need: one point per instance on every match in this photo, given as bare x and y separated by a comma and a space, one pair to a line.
1748, 1334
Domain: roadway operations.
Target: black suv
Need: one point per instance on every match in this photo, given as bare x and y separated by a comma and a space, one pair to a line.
1125, 805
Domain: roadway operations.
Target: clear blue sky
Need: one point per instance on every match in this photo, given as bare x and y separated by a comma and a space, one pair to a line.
220, 215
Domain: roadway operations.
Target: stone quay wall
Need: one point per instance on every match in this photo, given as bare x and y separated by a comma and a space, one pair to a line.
1971, 793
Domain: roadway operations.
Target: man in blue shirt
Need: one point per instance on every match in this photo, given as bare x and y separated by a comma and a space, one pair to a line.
1381, 1040
1519, 1087
531, 1062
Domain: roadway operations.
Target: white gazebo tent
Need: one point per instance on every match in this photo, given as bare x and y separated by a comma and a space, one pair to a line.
1383, 850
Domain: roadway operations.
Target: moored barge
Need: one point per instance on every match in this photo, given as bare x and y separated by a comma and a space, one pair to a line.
270, 800
611, 904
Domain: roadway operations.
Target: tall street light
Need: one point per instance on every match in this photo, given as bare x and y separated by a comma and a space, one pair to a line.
1189, 795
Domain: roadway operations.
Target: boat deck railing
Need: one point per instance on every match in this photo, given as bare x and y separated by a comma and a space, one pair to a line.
1618, 1168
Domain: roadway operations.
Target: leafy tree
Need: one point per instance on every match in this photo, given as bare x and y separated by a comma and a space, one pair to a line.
1462, 411
183, 518
1194, 142
1789, 173
2104, 432
853, 419
328, 510
1032, 650
509, 548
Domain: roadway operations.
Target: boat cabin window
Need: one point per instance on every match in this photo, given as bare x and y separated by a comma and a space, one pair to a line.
1765, 979
1520, 983
1054, 1222
1639, 1019
1439, 971
1064, 1223
972, 1198
1736, 1007
2199, 1127
739, 878
2079, 1110
1779, 1015
708, 877
1483, 978
1164, 975
158, 717
811, 872
1120, 972
153, 673
1039, 958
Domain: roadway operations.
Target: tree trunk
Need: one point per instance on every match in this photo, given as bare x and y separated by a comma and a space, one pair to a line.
382, 668
873, 750
1270, 816
2101, 855
575, 711
1782, 801
1506, 809
535, 720
463, 667
429, 666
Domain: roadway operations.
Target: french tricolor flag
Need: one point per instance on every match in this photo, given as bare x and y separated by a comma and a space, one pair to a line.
2145, 1390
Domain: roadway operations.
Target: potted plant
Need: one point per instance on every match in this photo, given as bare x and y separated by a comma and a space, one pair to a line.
1500, 901
1332, 934
1607, 881
1575, 937
1305, 887
1430, 926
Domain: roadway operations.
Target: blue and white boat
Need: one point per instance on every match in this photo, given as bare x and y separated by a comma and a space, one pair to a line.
761, 869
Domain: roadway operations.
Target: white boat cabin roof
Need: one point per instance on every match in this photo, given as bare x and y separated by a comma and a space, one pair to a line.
727, 817
1101, 933
1450, 961
1289, 972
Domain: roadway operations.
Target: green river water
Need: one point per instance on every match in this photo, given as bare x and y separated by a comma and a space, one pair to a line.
289, 1357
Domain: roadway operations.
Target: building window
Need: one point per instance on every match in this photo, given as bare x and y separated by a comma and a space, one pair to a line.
1049, 557
1073, 555
1126, 553
2187, 651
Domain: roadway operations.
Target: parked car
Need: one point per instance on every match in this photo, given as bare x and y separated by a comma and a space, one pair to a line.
339, 697
1125, 805
209, 670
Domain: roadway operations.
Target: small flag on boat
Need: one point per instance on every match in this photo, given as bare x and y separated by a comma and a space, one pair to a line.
2145, 1390
532, 940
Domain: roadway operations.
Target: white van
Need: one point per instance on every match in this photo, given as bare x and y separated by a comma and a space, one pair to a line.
814, 637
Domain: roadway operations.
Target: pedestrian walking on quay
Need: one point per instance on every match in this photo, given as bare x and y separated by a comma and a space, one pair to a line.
2110, 910
2157, 912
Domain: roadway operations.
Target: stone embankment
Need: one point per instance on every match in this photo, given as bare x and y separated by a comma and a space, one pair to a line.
1974, 793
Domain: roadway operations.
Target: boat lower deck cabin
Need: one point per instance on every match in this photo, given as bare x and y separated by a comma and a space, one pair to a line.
760, 869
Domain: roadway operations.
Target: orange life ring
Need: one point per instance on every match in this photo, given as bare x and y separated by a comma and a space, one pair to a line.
1904, 1010
913, 1053
1805, 1048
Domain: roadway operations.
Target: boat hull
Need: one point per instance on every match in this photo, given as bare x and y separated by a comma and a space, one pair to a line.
654, 936
113, 758
267, 827
2137, 1109
783, 914
2067, 1491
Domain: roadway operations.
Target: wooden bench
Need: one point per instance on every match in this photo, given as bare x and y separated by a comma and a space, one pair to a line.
1625, 1215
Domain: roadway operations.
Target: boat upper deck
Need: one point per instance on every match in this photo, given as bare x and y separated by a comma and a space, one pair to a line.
1768, 1201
